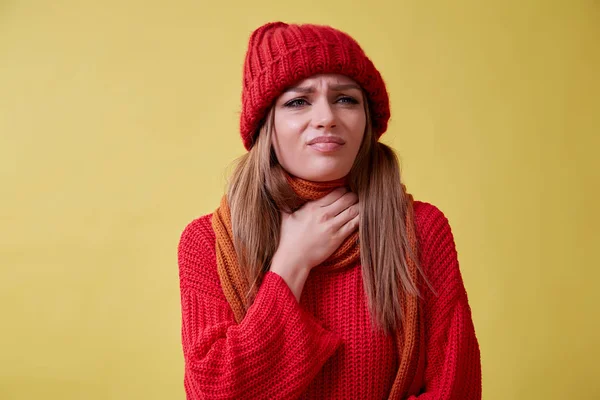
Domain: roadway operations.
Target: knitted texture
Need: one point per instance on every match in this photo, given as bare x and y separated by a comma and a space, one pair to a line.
323, 347
235, 286
280, 55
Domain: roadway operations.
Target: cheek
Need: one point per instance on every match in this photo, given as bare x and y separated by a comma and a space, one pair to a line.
356, 124
288, 125
288, 131
287, 139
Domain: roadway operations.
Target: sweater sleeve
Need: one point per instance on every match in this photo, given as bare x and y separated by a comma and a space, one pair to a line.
453, 366
274, 352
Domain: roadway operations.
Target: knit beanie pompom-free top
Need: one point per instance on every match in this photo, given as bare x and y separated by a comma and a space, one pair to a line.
279, 55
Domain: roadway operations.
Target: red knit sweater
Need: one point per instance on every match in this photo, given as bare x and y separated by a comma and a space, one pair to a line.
322, 347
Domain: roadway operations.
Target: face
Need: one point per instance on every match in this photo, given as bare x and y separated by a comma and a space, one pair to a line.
319, 127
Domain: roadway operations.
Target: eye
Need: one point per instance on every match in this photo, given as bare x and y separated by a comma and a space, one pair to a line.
347, 100
296, 103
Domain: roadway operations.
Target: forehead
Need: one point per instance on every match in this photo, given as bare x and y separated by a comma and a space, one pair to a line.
324, 79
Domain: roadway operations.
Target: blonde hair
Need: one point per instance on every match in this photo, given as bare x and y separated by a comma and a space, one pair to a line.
258, 190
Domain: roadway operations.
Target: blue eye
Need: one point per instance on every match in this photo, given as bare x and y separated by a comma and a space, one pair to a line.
348, 100
296, 103
302, 102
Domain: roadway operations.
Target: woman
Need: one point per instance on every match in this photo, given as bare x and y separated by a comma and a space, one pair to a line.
280, 299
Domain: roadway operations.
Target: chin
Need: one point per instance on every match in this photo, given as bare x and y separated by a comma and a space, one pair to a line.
323, 176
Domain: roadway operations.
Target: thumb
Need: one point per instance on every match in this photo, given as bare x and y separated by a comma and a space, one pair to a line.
284, 215
331, 197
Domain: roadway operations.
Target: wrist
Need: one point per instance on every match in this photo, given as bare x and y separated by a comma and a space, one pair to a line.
294, 274
286, 261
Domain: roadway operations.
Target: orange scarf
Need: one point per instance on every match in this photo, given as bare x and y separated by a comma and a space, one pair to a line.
409, 340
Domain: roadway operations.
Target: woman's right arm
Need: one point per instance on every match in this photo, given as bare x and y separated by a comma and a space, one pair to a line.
274, 352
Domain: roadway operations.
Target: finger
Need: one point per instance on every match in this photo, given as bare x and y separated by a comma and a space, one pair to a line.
349, 227
342, 204
284, 215
345, 216
331, 197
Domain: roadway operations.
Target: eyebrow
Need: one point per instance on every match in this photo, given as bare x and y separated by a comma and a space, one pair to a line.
336, 88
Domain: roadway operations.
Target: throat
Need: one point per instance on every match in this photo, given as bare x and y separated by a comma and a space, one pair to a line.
311, 190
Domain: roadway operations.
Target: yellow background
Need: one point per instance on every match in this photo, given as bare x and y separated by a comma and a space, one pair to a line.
119, 122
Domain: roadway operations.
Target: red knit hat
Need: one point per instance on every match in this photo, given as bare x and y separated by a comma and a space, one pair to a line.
280, 55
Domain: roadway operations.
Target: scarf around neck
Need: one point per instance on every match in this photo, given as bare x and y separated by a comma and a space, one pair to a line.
409, 339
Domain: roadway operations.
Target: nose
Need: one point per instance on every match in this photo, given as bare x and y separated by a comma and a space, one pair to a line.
324, 116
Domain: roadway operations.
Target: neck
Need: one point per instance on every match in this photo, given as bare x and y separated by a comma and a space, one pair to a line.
312, 190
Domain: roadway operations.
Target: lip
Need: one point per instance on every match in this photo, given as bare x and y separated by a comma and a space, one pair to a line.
326, 147
327, 139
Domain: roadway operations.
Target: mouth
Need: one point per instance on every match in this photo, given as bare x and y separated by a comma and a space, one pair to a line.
326, 147
326, 143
